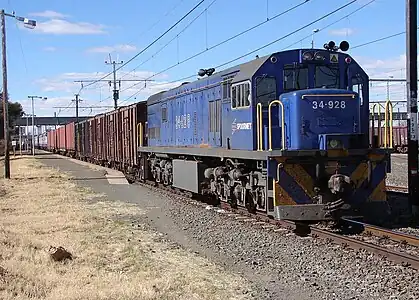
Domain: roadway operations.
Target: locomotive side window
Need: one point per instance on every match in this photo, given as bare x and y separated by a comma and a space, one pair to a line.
327, 76
265, 89
357, 87
295, 78
226, 85
240, 95
164, 113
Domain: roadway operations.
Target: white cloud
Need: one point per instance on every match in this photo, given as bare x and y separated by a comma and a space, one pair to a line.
394, 67
63, 27
375, 68
101, 91
49, 14
109, 49
342, 32
50, 49
60, 90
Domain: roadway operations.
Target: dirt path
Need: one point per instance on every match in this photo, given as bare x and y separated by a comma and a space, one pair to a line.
40, 207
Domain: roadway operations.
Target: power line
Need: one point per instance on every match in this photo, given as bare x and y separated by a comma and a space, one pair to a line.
253, 51
174, 38
380, 39
333, 23
228, 39
162, 18
233, 37
212, 47
152, 43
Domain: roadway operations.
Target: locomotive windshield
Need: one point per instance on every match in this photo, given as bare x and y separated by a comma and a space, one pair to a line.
265, 89
327, 76
295, 78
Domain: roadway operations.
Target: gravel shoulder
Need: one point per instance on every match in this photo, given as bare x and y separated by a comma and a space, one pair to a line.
112, 259
398, 175
275, 264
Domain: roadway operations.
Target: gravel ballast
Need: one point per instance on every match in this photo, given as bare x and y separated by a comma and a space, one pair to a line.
312, 268
398, 175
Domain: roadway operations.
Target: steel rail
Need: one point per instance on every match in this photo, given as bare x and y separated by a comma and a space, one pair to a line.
394, 256
393, 188
384, 232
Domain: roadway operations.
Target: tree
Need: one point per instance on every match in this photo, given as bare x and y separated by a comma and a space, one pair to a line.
15, 112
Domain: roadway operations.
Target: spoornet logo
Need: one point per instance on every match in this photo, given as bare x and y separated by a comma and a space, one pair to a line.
240, 126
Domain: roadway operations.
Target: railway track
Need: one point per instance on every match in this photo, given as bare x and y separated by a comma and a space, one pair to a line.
242, 215
398, 189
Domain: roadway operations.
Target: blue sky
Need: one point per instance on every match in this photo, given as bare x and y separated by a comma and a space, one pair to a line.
74, 38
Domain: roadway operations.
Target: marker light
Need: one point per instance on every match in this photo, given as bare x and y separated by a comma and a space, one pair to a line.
307, 56
319, 56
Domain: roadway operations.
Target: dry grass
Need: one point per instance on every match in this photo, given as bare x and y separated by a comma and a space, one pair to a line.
113, 259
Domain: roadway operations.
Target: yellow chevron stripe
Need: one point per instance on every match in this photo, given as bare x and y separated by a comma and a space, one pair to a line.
379, 193
359, 175
306, 182
303, 179
337, 153
281, 197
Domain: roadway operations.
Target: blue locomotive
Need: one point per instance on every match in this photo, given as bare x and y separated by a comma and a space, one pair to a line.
286, 134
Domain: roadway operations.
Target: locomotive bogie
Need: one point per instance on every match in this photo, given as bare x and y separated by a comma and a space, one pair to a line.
234, 181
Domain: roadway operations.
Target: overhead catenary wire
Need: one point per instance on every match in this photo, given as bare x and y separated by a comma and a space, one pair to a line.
226, 40
149, 45
331, 24
212, 47
170, 41
380, 39
161, 19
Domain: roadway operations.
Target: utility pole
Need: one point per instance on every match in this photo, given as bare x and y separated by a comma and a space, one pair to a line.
412, 105
33, 120
115, 91
5, 102
20, 140
27, 133
55, 133
28, 24
77, 100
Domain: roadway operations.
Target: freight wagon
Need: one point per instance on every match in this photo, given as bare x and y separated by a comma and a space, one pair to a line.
399, 137
62, 140
111, 139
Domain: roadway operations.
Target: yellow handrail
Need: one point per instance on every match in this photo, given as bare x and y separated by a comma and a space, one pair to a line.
379, 122
328, 95
259, 125
388, 124
282, 123
140, 134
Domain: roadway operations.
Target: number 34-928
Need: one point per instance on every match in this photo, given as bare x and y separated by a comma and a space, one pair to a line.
329, 104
